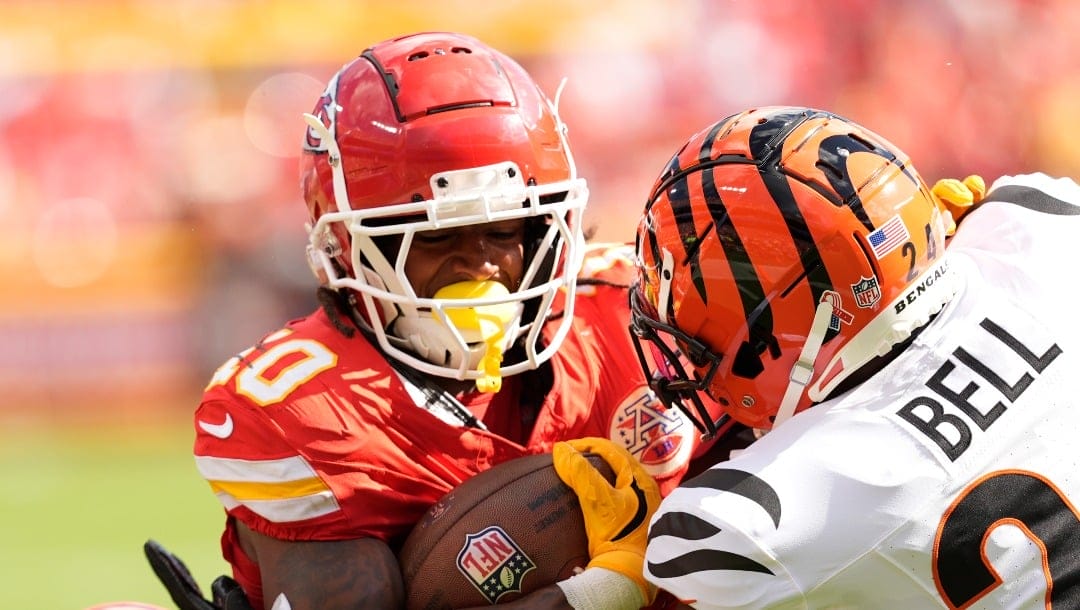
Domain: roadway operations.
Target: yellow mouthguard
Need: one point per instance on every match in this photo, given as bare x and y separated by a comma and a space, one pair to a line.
487, 320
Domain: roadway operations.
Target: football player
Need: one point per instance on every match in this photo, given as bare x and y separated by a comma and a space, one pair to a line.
464, 321
915, 400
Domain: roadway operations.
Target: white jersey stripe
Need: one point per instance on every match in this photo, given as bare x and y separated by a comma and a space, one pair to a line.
288, 509
254, 471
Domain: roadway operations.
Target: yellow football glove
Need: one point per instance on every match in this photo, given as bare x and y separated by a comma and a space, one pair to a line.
616, 518
956, 197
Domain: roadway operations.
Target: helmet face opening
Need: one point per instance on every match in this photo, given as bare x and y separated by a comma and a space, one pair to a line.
664, 353
439, 132
412, 326
768, 216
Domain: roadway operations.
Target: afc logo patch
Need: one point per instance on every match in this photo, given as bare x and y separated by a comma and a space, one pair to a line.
661, 439
493, 563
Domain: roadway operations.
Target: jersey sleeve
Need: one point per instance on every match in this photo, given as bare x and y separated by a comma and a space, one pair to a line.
299, 440
1037, 191
257, 475
706, 545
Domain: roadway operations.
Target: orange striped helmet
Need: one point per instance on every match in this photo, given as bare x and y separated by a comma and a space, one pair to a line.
781, 250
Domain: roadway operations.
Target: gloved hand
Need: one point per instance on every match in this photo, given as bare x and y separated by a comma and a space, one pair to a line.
185, 592
956, 197
616, 517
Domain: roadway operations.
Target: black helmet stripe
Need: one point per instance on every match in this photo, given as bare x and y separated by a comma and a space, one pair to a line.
648, 236
751, 292
691, 237
766, 144
832, 161
729, 240
724, 125
678, 193
675, 185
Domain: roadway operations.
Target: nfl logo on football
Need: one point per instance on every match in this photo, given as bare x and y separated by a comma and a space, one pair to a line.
493, 563
866, 291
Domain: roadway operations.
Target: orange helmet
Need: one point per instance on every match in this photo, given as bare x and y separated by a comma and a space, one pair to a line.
433, 131
782, 249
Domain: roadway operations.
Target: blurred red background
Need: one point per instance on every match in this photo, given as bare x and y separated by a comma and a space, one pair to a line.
150, 222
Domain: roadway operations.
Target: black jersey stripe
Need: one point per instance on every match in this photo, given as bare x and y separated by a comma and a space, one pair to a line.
741, 483
693, 528
1032, 199
705, 560
684, 525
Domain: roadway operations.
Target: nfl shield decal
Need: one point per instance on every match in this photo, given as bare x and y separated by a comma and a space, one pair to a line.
866, 291
493, 563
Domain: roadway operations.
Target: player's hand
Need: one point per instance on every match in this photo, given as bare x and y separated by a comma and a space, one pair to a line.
958, 197
185, 592
616, 517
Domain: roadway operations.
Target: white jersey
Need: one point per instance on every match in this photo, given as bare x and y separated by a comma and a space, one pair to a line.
950, 479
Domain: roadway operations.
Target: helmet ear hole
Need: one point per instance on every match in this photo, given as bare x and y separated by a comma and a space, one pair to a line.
747, 362
872, 263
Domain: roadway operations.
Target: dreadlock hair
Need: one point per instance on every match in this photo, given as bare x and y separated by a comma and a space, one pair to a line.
338, 309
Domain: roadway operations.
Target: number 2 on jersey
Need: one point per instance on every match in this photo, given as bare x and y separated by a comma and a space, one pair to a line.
1009, 497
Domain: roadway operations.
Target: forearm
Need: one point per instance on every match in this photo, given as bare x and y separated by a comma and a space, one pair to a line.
327, 575
593, 589
548, 598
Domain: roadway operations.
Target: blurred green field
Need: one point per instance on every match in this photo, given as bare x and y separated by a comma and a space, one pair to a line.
78, 503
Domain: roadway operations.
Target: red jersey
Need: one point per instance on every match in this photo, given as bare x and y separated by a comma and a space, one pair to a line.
312, 435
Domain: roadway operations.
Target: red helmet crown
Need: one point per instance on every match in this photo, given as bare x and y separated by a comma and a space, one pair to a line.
431, 131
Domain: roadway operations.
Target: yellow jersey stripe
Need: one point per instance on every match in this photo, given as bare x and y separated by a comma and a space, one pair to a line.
244, 490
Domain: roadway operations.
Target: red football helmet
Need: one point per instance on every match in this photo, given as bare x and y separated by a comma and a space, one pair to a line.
432, 131
782, 249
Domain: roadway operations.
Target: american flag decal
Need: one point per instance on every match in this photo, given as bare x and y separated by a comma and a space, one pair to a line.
493, 563
888, 236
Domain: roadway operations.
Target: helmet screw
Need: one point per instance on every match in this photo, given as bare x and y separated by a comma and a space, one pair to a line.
442, 182
747, 401
511, 172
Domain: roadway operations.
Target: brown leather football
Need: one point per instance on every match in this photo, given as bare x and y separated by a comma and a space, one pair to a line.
502, 534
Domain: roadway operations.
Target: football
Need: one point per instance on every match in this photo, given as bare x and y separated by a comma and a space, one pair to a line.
502, 534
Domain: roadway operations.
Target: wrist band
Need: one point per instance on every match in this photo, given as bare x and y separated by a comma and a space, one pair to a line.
601, 589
